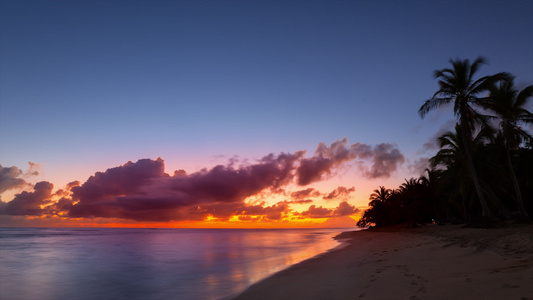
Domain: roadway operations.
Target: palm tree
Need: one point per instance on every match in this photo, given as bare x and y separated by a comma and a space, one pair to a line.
417, 201
509, 106
432, 180
379, 211
452, 157
381, 194
457, 86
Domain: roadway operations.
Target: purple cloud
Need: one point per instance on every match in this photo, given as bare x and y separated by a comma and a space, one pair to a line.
10, 178
142, 191
324, 161
339, 193
302, 194
29, 203
343, 209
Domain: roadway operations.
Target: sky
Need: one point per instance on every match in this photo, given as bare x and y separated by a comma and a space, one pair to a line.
273, 113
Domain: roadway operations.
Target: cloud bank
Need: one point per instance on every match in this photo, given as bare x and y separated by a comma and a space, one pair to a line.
142, 191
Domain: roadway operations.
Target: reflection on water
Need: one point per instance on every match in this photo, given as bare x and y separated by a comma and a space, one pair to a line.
66, 263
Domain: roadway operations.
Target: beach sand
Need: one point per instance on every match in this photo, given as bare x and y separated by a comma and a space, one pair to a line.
433, 262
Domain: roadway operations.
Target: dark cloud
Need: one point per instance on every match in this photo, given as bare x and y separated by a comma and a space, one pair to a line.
141, 191
10, 178
224, 211
324, 161
115, 182
64, 204
317, 212
60, 207
302, 194
29, 203
274, 212
339, 193
343, 209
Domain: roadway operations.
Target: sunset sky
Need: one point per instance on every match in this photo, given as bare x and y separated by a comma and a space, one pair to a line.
229, 113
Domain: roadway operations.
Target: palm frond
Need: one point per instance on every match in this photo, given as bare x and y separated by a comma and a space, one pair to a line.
475, 66
431, 104
485, 83
523, 96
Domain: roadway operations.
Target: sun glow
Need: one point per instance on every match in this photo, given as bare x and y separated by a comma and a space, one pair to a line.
250, 222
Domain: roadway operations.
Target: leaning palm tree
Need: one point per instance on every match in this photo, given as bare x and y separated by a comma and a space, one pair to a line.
457, 86
508, 104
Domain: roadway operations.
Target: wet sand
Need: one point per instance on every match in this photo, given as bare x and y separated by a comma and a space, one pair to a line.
433, 262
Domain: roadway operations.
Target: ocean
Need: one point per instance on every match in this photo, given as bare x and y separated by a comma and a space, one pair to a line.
148, 264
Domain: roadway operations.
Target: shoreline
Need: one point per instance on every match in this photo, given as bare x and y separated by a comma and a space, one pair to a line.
432, 262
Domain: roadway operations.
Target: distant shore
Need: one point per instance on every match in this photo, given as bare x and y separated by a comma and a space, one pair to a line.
432, 262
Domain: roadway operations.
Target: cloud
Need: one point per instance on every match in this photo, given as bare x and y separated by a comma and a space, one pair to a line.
317, 212
340, 192
384, 159
142, 191
343, 209
249, 219
29, 203
301, 201
224, 211
274, 212
302, 194
33, 170
114, 182
10, 178
419, 166
67, 190
325, 159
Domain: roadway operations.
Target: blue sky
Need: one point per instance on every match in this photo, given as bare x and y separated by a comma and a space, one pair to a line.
89, 85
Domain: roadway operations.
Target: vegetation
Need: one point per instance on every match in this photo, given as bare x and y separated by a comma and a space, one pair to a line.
483, 170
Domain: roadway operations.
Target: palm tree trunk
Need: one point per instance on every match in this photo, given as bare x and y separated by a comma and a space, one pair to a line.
521, 208
484, 207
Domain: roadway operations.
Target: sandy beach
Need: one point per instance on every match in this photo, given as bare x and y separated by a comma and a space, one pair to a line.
433, 262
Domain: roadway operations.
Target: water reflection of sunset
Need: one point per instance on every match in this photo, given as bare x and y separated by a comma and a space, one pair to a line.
266, 257
97, 263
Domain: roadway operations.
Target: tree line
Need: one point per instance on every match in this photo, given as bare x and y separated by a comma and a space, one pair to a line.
483, 171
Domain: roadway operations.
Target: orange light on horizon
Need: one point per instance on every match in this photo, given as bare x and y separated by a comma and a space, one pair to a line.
209, 222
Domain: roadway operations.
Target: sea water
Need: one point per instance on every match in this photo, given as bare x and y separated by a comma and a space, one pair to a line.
113, 263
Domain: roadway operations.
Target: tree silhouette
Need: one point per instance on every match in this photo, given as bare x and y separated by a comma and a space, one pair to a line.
481, 171
380, 194
379, 212
508, 104
457, 86
453, 159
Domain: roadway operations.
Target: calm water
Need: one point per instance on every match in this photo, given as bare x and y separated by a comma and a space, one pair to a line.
82, 263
